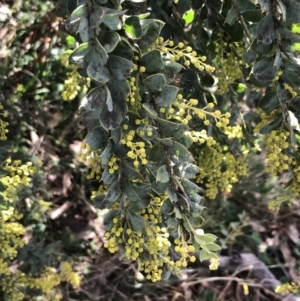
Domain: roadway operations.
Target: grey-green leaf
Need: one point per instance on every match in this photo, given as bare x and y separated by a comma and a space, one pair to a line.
72, 23
180, 154
97, 137
114, 192
95, 17
266, 31
136, 221
119, 67
152, 61
155, 83
96, 99
167, 96
163, 175
133, 27
84, 29
78, 55
98, 72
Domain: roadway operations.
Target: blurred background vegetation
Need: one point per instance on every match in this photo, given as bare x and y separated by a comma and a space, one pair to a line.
43, 129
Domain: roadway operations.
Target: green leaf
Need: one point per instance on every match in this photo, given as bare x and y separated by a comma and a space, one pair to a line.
106, 154
108, 218
136, 221
238, 87
91, 119
119, 89
129, 172
275, 124
133, 27
107, 178
180, 154
95, 17
190, 187
152, 61
97, 54
165, 141
151, 31
112, 22
119, 67
127, 188
96, 99
150, 110
187, 170
204, 255
4, 154
292, 11
84, 31
265, 5
116, 135
97, 137
158, 187
167, 207
114, 192
295, 28
109, 40
253, 15
172, 224
188, 16
236, 32
269, 102
207, 238
77, 56
98, 73
72, 23
265, 70
155, 83
171, 129
167, 96
261, 48
249, 56
111, 120
231, 17
172, 195
266, 31
155, 153
245, 5
213, 247
163, 175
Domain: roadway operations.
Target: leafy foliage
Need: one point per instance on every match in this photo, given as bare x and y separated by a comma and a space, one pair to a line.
157, 208
168, 91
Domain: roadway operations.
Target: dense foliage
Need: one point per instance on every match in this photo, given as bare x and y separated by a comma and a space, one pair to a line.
169, 92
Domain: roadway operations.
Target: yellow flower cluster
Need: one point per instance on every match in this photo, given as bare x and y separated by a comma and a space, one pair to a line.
137, 150
93, 160
214, 264
277, 143
182, 52
152, 247
219, 169
228, 61
3, 125
287, 288
74, 82
67, 274
288, 88
16, 284
134, 97
201, 137
183, 110
11, 233
19, 175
